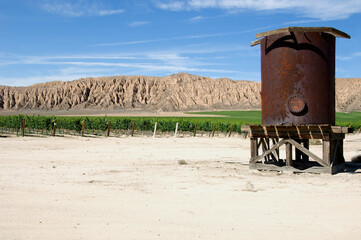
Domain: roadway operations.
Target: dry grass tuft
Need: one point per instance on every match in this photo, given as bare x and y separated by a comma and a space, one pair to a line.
182, 162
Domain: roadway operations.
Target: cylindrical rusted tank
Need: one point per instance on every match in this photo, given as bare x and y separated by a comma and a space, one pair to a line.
298, 75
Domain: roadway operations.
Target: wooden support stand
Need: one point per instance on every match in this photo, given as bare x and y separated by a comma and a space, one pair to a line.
269, 139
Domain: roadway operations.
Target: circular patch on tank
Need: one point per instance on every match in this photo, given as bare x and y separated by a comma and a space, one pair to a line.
297, 105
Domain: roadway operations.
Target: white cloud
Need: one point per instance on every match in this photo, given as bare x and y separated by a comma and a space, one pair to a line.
201, 18
172, 5
200, 36
26, 81
321, 9
70, 67
78, 8
347, 58
139, 23
108, 12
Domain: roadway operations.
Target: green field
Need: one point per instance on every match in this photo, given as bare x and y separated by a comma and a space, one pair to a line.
249, 117
352, 119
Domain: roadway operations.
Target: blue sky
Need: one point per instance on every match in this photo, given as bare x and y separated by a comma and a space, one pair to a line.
49, 40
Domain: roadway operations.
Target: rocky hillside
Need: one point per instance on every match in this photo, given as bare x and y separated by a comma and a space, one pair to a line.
348, 94
177, 92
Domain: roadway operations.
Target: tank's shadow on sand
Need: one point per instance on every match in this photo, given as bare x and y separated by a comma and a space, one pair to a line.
354, 165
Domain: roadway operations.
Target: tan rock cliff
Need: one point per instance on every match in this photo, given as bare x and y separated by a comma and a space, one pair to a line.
178, 92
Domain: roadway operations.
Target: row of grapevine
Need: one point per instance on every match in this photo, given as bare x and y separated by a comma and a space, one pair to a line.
164, 124
120, 123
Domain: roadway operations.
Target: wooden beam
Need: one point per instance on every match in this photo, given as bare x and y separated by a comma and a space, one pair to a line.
340, 129
288, 154
276, 153
306, 144
309, 153
314, 169
254, 147
265, 147
274, 147
254, 43
329, 30
326, 151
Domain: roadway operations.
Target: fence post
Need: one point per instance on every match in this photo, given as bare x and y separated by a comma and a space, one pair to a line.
155, 129
23, 127
54, 127
108, 129
133, 128
195, 130
176, 130
230, 131
214, 129
82, 128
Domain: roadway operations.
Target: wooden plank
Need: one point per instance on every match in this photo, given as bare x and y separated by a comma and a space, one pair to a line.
321, 131
306, 144
298, 152
337, 151
272, 155
309, 153
329, 30
276, 153
288, 154
259, 143
254, 147
334, 148
288, 135
326, 151
271, 167
254, 43
340, 129
264, 148
274, 147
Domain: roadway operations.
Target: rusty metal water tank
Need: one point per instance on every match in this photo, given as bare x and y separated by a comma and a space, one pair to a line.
298, 75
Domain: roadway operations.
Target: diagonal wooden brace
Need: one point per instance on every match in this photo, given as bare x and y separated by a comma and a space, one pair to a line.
270, 151
308, 152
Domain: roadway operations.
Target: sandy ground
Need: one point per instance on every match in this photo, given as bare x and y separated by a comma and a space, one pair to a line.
135, 188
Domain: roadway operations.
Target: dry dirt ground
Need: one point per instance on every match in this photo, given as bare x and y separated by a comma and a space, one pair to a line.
138, 188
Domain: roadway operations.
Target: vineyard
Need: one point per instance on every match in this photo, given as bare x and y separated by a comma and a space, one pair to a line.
117, 126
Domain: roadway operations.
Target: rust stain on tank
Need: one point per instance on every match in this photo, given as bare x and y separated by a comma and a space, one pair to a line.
298, 76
